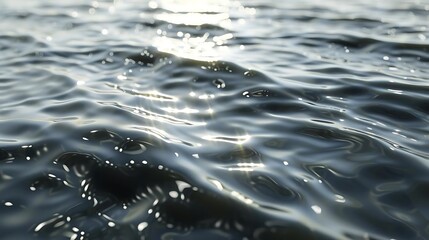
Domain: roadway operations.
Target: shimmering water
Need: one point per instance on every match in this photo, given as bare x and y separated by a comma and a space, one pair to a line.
220, 119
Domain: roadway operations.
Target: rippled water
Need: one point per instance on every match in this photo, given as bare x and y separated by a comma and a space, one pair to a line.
220, 119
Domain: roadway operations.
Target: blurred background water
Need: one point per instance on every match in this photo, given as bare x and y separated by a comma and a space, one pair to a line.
216, 119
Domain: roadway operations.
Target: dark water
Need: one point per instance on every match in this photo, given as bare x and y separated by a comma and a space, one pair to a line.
179, 119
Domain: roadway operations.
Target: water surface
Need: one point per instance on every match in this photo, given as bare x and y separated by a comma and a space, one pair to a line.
178, 119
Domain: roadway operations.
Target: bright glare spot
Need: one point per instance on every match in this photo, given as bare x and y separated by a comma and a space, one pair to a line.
121, 77
241, 169
40, 226
153, 4
241, 197
111, 224
340, 198
206, 96
182, 185
316, 209
193, 19
255, 165
184, 110
153, 95
80, 82
395, 91
217, 184
104, 31
285, 163
212, 6
173, 194
232, 139
142, 226
199, 48
8, 204
221, 39
196, 14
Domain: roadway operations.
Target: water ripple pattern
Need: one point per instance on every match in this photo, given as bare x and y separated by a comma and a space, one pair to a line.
216, 119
